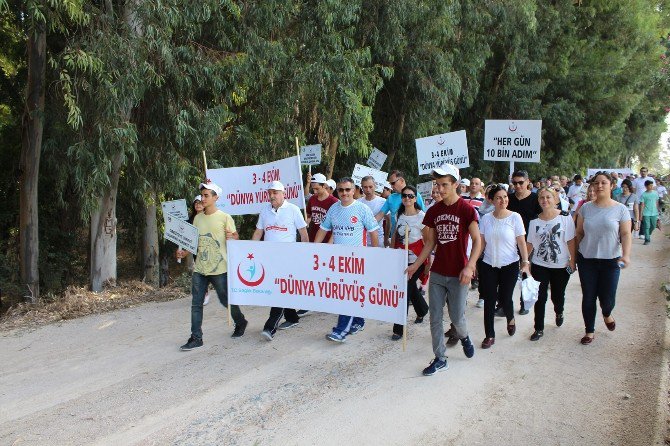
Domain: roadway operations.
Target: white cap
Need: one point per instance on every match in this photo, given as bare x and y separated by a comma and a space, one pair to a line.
465, 181
210, 185
319, 178
276, 185
447, 169
387, 185
197, 198
331, 184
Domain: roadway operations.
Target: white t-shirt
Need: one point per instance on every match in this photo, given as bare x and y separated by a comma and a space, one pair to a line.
662, 191
375, 206
638, 184
550, 241
349, 224
282, 224
500, 236
415, 225
574, 193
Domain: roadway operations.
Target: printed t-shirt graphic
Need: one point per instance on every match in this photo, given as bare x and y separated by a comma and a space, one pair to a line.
349, 224
451, 224
212, 253
317, 210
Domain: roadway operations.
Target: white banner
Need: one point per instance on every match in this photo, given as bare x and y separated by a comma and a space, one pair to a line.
245, 188
623, 170
310, 155
425, 190
377, 159
448, 148
175, 208
184, 234
361, 171
356, 281
511, 140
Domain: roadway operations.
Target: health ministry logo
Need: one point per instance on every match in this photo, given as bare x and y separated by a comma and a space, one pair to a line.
247, 272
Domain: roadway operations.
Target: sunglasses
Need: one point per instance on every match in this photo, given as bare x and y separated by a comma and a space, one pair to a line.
410, 196
344, 189
393, 182
518, 183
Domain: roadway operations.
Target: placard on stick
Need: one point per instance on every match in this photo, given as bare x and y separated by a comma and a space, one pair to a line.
175, 208
361, 171
512, 140
377, 159
310, 155
447, 148
184, 234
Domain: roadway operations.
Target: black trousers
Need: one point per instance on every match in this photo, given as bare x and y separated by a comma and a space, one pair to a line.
276, 315
414, 296
498, 286
558, 279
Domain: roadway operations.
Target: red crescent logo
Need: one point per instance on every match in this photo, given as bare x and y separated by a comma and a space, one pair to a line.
354, 219
248, 283
513, 127
440, 141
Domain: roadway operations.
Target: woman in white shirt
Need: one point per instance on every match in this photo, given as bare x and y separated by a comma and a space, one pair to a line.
551, 244
502, 234
410, 217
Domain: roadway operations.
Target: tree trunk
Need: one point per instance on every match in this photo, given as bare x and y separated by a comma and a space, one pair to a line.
332, 154
150, 259
32, 128
103, 232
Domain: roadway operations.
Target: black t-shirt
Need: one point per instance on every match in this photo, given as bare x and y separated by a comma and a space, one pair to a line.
529, 208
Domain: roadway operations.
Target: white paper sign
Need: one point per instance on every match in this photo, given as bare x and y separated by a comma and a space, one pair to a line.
175, 208
377, 159
425, 190
310, 155
625, 171
184, 234
512, 140
448, 148
356, 281
361, 171
245, 188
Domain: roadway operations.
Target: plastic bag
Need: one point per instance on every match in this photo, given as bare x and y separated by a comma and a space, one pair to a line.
530, 290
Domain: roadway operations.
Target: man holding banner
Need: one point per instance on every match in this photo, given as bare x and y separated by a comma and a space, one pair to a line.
215, 227
278, 222
348, 221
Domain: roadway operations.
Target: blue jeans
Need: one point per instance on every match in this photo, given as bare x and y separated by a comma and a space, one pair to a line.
344, 324
199, 284
599, 278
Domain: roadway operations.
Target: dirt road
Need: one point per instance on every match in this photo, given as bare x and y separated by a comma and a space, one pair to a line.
119, 378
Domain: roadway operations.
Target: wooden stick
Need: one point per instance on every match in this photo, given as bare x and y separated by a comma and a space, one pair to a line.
297, 151
404, 327
204, 160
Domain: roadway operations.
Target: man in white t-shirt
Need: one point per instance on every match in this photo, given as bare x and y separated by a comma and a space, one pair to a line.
375, 203
638, 183
575, 191
279, 221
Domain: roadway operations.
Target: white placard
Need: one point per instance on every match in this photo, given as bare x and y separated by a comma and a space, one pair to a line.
356, 281
175, 208
361, 171
425, 190
512, 140
447, 148
184, 234
310, 155
245, 188
377, 159
623, 170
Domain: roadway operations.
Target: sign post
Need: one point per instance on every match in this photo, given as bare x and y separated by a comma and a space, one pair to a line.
448, 148
377, 159
361, 171
512, 141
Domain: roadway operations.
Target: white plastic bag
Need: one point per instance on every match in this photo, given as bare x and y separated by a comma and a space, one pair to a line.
530, 290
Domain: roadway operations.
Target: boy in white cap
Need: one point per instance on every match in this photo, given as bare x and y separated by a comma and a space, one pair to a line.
448, 224
211, 265
279, 221
318, 205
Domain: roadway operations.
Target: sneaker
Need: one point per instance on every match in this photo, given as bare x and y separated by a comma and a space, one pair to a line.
303, 312
191, 344
267, 334
435, 366
468, 348
206, 298
500, 312
356, 328
418, 320
286, 325
559, 319
396, 337
480, 303
646, 242
523, 312
335, 337
239, 329
537, 334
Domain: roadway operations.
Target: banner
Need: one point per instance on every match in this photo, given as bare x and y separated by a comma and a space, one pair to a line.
511, 140
310, 155
361, 171
351, 280
175, 208
425, 190
448, 148
377, 159
245, 188
184, 234
623, 170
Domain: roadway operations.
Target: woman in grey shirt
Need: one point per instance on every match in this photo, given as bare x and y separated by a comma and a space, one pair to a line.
603, 238
630, 200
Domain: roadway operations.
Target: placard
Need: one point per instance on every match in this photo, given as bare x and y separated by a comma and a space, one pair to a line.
184, 234
425, 190
245, 188
361, 171
175, 208
447, 148
352, 280
377, 159
512, 140
310, 155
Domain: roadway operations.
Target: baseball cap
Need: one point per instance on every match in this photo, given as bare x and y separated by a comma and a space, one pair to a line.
447, 169
210, 185
331, 184
276, 185
465, 181
198, 198
387, 185
318, 178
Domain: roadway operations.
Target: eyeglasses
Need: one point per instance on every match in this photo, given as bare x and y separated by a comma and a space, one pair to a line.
344, 189
519, 183
410, 196
393, 182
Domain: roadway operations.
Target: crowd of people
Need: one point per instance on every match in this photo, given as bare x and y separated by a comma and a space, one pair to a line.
465, 235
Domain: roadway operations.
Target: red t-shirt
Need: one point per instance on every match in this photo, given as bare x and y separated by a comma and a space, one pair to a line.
318, 209
451, 224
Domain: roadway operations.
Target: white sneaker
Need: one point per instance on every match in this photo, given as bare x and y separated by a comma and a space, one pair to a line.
206, 298
480, 303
